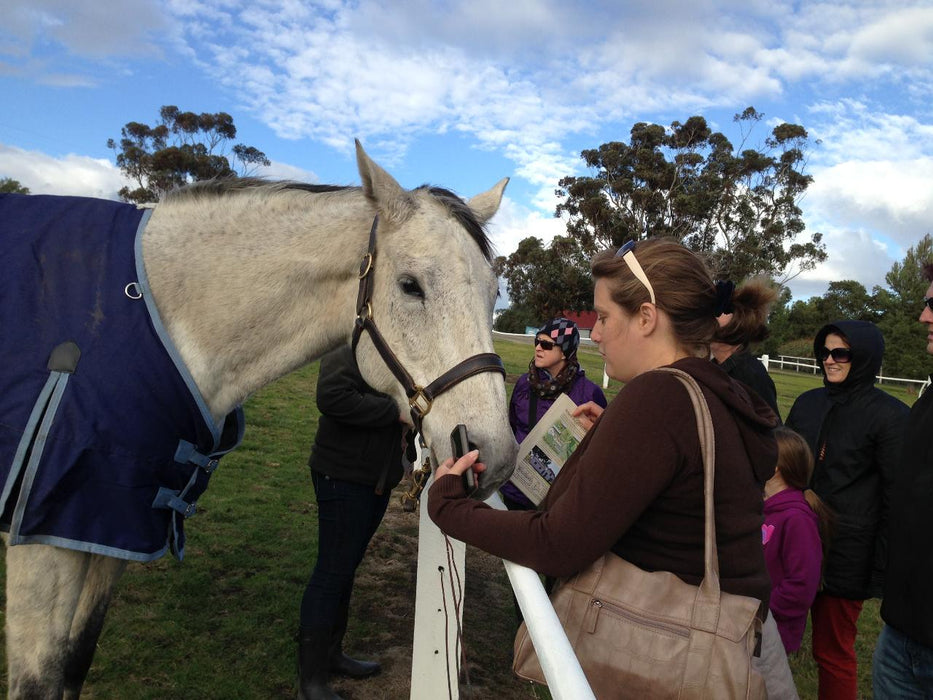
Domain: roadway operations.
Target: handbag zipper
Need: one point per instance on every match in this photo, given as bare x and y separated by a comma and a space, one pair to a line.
644, 621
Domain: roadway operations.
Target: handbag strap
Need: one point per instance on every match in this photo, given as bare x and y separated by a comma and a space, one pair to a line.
706, 610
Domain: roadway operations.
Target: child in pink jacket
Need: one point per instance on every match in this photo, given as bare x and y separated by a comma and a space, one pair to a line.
794, 519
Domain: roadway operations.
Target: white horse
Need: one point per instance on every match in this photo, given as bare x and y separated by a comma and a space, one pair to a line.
253, 280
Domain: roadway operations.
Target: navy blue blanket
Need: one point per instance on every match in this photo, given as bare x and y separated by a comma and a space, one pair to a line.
105, 442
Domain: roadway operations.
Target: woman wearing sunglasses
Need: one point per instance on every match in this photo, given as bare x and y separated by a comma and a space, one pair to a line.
553, 370
634, 485
855, 431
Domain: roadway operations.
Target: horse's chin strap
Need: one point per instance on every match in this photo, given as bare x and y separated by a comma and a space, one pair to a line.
420, 399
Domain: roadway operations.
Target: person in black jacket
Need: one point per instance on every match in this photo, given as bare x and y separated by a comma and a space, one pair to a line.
355, 463
855, 431
742, 321
903, 660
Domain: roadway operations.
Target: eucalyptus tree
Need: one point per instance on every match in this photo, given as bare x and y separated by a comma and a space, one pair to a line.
180, 148
738, 205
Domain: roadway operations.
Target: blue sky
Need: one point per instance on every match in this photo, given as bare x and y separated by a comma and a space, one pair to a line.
461, 93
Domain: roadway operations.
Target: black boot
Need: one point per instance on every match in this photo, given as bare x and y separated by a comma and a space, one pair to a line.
340, 663
343, 665
313, 653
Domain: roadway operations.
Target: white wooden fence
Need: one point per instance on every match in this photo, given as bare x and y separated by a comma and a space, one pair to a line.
810, 366
436, 651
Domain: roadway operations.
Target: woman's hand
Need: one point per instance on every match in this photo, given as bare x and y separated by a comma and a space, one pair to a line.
468, 461
587, 413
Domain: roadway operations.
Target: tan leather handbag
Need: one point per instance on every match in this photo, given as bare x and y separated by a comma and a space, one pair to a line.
640, 634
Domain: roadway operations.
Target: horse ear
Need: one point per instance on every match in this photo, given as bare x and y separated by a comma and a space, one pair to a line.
381, 188
486, 204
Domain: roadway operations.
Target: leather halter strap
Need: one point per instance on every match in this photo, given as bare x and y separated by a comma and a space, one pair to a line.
420, 399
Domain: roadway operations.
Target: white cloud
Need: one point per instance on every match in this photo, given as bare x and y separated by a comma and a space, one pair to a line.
82, 176
903, 37
64, 43
284, 171
894, 198
855, 255
68, 175
515, 222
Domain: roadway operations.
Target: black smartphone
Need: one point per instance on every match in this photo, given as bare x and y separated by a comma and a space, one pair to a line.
460, 444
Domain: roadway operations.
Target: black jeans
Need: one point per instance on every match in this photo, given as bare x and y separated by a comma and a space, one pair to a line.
348, 516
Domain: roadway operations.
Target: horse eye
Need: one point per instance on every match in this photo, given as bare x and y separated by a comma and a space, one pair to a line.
411, 287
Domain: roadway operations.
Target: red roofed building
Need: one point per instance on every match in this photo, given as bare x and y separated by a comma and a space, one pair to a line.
585, 320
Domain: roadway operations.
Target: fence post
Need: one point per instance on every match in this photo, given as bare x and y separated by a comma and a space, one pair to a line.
435, 654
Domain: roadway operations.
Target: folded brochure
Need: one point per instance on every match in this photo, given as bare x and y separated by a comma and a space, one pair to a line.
546, 448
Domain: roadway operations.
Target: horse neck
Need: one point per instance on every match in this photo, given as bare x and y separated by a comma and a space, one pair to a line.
250, 289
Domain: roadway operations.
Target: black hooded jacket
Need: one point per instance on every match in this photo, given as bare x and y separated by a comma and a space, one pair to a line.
855, 431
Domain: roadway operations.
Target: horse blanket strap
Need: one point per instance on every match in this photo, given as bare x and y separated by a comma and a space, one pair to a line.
105, 441
420, 398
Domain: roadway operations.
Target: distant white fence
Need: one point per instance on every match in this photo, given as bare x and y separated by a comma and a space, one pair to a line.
810, 366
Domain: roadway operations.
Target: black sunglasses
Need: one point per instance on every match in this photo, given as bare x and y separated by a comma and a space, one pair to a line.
545, 344
929, 302
842, 355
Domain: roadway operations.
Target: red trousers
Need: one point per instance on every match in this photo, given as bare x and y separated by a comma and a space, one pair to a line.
833, 622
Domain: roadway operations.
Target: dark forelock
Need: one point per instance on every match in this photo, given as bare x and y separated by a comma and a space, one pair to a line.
461, 211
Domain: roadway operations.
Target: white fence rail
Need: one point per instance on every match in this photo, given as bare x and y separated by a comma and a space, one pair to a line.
810, 366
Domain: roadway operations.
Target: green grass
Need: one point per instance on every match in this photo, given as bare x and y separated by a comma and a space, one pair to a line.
220, 624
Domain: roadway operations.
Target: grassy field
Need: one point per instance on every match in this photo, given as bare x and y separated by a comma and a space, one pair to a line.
220, 623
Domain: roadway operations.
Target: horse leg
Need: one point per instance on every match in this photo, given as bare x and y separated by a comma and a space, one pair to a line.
42, 590
102, 576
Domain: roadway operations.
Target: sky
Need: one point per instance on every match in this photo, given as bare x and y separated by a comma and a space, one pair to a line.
462, 93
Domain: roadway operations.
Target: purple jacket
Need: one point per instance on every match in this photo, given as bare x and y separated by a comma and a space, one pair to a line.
793, 555
581, 391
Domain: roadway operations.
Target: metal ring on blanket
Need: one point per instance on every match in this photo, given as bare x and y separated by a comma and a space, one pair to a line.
133, 285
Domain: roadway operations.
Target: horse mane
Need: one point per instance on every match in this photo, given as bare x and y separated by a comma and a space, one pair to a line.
224, 186
461, 211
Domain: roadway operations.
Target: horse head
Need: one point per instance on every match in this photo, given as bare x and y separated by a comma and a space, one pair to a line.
432, 299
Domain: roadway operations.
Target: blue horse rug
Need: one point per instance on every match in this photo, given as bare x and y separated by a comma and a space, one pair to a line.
105, 441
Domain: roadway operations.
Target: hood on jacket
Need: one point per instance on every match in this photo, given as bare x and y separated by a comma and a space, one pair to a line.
867, 345
755, 418
788, 499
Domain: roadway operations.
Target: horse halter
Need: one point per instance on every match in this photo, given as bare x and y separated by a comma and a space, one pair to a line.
420, 399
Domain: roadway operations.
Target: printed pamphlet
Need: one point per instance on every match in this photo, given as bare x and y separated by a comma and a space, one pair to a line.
546, 448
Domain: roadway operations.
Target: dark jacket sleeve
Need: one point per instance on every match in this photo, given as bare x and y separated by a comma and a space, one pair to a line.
359, 435
889, 445
343, 395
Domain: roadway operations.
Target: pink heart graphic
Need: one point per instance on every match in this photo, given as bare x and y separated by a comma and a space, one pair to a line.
766, 532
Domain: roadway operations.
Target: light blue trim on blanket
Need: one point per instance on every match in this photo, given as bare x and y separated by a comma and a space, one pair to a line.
38, 410
159, 326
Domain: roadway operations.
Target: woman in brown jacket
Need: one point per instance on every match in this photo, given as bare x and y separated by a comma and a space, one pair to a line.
635, 483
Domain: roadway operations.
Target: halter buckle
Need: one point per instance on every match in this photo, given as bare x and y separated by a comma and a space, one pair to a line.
366, 265
419, 402
365, 313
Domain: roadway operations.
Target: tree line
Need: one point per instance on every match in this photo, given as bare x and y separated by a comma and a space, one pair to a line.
793, 324
895, 309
